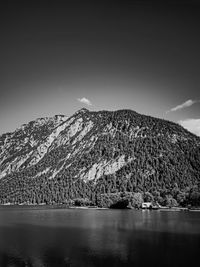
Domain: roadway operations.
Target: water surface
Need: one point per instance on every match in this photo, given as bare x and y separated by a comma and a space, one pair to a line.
66, 237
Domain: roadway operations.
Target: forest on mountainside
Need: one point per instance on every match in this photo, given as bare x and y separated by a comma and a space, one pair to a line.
162, 164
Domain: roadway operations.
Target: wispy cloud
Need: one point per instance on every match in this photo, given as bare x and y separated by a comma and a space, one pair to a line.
84, 100
186, 104
192, 125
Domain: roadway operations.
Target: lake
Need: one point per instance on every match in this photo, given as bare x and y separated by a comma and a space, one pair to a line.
72, 237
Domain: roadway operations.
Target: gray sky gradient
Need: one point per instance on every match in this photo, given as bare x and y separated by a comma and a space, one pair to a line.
140, 55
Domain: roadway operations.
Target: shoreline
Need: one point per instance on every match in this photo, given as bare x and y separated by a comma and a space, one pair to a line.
63, 206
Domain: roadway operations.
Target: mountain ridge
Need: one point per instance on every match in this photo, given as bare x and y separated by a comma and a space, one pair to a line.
81, 154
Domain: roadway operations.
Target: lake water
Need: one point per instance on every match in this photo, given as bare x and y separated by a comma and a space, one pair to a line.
67, 237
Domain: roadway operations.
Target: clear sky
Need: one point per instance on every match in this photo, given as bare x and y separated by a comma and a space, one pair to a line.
59, 56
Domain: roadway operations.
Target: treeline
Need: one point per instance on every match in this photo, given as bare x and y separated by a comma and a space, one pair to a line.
66, 191
135, 199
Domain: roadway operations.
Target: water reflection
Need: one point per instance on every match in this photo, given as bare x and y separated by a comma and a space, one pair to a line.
97, 238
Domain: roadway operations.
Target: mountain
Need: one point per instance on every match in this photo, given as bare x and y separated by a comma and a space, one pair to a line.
99, 155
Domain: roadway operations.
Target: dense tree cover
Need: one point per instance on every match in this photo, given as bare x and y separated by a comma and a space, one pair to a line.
42, 190
162, 164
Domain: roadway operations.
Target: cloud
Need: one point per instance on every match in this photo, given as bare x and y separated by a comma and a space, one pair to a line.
192, 125
85, 101
186, 104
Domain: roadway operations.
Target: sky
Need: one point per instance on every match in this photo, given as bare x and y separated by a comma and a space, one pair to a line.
59, 56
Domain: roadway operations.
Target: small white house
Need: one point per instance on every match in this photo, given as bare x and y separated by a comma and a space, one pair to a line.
147, 205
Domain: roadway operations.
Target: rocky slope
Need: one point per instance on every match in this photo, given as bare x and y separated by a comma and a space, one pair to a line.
90, 153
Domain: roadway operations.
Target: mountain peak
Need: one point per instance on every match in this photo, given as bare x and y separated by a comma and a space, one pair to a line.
82, 110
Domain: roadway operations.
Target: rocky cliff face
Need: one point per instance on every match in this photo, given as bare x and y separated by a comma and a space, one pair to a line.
28, 144
66, 157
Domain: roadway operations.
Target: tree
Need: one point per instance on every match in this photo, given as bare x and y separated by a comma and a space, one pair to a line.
81, 202
181, 198
148, 197
136, 200
170, 201
194, 196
